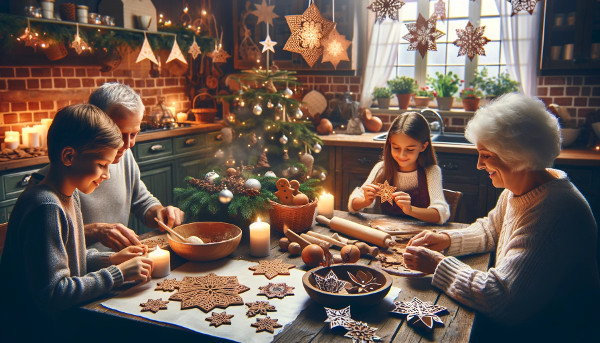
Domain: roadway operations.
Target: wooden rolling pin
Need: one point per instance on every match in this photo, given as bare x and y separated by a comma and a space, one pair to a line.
362, 232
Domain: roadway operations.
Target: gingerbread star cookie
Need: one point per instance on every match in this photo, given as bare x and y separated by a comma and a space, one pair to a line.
168, 285
259, 307
218, 319
154, 305
420, 313
209, 291
266, 324
272, 268
276, 290
386, 192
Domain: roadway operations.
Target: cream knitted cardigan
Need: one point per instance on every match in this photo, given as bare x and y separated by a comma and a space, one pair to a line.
545, 242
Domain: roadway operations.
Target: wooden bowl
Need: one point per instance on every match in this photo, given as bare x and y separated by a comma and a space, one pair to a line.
221, 239
341, 270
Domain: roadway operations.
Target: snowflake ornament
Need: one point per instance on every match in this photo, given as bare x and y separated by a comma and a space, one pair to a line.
471, 41
386, 9
440, 10
523, 5
386, 192
194, 49
420, 313
330, 283
422, 35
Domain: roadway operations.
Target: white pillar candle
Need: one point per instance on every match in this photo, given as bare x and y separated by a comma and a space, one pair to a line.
260, 238
161, 262
46, 124
41, 134
33, 138
325, 205
181, 117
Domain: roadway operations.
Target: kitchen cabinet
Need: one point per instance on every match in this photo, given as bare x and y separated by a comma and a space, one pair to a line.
571, 38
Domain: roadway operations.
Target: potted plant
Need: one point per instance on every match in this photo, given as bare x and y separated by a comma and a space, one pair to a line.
423, 96
494, 86
403, 87
446, 86
383, 95
470, 97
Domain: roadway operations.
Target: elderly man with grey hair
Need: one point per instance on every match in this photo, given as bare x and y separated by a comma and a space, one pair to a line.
544, 285
106, 211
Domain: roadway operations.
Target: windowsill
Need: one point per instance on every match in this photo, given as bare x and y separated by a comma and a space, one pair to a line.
454, 112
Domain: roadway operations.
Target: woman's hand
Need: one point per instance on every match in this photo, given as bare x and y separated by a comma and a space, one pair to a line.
115, 236
432, 240
138, 268
370, 192
402, 199
128, 253
422, 259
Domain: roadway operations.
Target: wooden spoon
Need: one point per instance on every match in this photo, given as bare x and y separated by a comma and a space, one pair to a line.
168, 229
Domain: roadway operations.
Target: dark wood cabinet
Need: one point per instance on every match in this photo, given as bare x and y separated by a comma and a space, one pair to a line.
571, 38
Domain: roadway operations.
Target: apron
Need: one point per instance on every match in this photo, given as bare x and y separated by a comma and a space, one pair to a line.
419, 197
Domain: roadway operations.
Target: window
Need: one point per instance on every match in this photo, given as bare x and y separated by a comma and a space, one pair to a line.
459, 13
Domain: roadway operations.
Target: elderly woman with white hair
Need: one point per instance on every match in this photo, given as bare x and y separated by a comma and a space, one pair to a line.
544, 283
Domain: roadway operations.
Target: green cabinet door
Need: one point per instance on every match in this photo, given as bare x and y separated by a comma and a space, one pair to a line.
158, 178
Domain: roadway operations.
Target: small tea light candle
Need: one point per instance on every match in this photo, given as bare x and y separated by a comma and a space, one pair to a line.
325, 205
161, 262
11, 139
260, 238
181, 117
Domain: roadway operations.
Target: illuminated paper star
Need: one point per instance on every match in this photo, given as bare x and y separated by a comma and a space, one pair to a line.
265, 13
337, 318
422, 35
194, 49
308, 30
440, 10
176, 53
386, 9
420, 313
268, 44
335, 48
146, 52
523, 5
386, 192
471, 41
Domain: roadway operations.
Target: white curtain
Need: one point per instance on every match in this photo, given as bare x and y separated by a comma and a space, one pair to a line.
520, 42
382, 55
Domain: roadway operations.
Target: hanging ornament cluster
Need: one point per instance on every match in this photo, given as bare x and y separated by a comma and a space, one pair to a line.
422, 35
386, 9
440, 10
30, 38
308, 30
78, 44
523, 5
471, 41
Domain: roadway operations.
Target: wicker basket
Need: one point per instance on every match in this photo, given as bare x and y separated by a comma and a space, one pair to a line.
297, 218
204, 107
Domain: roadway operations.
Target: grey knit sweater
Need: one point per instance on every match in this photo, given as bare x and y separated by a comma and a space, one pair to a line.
45, 265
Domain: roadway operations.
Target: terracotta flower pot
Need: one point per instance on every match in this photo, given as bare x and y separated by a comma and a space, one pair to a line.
422, 101
403, 100
471, 104
383, 103
444, 103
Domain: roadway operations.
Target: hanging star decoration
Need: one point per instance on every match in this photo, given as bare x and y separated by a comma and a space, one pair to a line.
194, 49
337, 318
308, 30
420, 313
440, 10
471, 41
146, 52
264, 13
422, 35
386, 9
176, 53
268, 44
78, 44
219, 55
330, 283
386, 192
360, 332
523, 5
335, 48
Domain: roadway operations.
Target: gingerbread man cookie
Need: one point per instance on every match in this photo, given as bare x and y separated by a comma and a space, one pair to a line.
295, 186
284, 192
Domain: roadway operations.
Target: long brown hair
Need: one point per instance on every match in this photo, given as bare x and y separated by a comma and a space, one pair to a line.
415, 126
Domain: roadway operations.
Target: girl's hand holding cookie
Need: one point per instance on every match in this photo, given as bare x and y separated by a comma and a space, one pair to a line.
139, 268
128, 253
370, 192
403, 201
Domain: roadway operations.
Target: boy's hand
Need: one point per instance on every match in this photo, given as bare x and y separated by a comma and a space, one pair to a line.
138, 268
128, 253
422, 259
115, 236
370, 192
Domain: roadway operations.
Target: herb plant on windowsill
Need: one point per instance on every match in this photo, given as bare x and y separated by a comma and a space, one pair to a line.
403, 87
383, 95
470, 98
446, 87
494, 86
423, 96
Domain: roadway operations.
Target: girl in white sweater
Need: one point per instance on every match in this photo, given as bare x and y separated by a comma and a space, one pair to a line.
544, 285
409, 164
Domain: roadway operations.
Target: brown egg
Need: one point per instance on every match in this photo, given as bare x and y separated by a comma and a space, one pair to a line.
300, 199
312, 255
336, 259
350, 254
325, 127
294, 248
373, 125
284, 243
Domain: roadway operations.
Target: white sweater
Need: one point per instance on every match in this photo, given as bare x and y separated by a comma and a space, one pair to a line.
408, 181
545, 242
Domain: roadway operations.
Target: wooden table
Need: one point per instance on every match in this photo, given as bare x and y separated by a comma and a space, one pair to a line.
309, 326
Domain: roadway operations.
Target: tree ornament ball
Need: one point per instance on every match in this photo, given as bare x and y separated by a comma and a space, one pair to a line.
350, 253
279, 108
294, 248
283, 139
299, 114
231, 172
211, 176
287, 92
312, 255
284, 243
219, 154
294, 170
257, 110
270, 173
317, 148
225, 196
270, 104
322, 176
252, 184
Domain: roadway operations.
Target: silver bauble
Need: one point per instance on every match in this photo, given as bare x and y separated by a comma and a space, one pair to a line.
270, 173
253, 184
279, 108
283, 139
219, 154
225, 196
294, 170
211, 176
287, 92
322, 176
317, 148
299, 114
270, 104
257, 110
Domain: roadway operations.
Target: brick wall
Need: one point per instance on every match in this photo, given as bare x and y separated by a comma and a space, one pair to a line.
579, 94
331, 85
28, 94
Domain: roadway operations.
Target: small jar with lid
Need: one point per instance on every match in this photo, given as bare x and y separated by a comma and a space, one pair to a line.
82, 14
